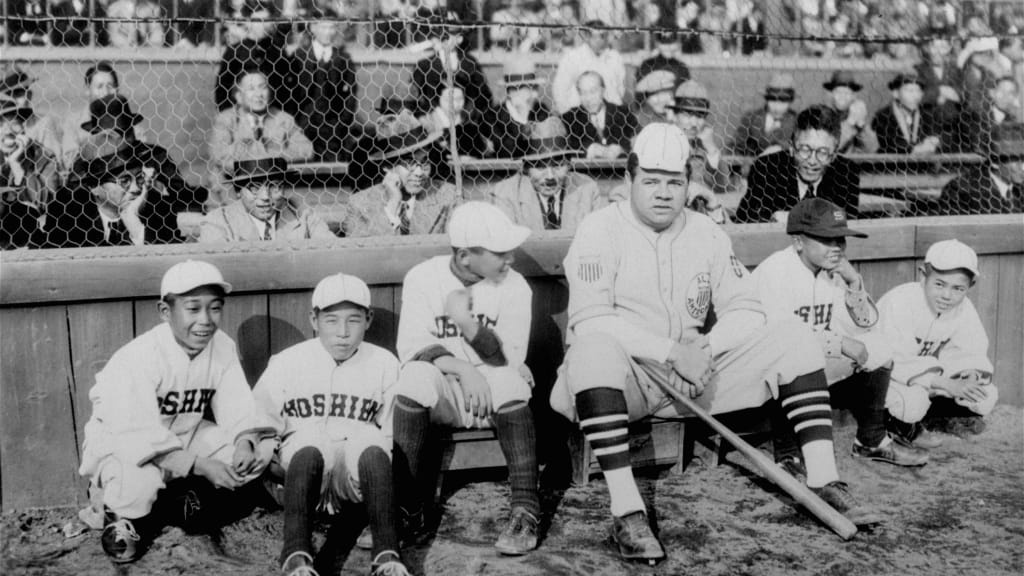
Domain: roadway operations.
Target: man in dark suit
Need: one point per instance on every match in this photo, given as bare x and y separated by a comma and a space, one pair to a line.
770, 126
598, 128
667, 56
904, 127
809, 168
993, 188
261, 49
325, 93
431, 74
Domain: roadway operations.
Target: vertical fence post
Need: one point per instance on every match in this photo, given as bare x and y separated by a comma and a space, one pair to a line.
175, 27
92, 23
7, 33
480, 45
216, 23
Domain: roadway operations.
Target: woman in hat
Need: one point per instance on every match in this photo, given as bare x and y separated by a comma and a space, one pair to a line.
857, 135
510, 121
654, 98
16, 89
27, 169
264, 211
408, 199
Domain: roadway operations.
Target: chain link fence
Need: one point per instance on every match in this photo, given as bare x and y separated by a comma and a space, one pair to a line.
153, 123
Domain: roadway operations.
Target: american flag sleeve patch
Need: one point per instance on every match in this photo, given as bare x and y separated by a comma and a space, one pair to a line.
589, 270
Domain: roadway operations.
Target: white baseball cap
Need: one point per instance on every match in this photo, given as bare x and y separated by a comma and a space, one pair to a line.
479, 224
339, 288
191, 274
952, 254
661, 146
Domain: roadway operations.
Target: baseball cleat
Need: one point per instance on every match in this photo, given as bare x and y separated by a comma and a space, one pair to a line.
412, 529
635, 540
120, 541
837, 495
298, 564
388, 563
892, 453
520, 536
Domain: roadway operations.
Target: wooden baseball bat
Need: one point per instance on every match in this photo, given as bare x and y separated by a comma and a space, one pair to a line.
840, 524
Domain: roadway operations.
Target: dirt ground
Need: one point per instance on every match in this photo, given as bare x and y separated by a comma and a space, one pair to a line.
961, 514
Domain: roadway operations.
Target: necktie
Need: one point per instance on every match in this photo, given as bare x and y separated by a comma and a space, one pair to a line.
266, 230
257, 122
403, 218
118, 234
812, 189
551, 219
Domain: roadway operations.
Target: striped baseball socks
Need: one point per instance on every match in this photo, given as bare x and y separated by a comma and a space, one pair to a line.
604, 421
518, 439
805, 402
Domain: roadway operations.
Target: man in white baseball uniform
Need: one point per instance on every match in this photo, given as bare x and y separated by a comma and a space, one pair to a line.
329, 400
942, 368
643, 274
812, 280
147, 428
462, 338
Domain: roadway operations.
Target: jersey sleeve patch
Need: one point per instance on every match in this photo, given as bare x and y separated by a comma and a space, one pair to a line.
590, 269
737, 267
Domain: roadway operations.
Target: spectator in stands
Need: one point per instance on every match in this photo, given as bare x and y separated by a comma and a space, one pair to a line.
594, 52
22, 27
325, 93
654, 95
981, 64
557, 13
666, 56
770, 127
470, 138
904, 127
111, 199
857, 135
504, 36
547, 194
449, 57
128, 34
195, 28
101, 80
713, 20
708, 174
1004, 110
597, 128
28, 170
408, 200
750, 31
688, 18
254, 129
809, 168
262, 48
71, 26
937, 69
993, 188
264, 211
510, 122
16, 88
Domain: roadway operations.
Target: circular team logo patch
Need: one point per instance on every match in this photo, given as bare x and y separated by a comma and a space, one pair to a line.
698, 296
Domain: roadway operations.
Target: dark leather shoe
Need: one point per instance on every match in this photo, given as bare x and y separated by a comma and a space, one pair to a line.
892, 453
837, 495
634, 538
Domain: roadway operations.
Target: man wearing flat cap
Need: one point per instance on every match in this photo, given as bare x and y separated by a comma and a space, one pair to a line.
856, 134
654, 96
770, 126
547, 194
904, 127
595, 52
511, 121
598, 128
996, 187
264, 211
408, 199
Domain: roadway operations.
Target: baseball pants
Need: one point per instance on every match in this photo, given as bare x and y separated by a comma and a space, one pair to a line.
746, 376
442, 395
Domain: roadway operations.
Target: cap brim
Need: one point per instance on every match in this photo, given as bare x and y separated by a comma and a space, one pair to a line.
536, 82
529, 158
833, 85
513, 239
225, 286
342, 301
407, 149
275, 175
834, 233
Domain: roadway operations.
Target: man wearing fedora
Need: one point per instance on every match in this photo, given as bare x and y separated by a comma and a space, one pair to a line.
112, 119
708, 174
408, 200
101, 79
510, 122
112, 199
594, 52
654, 95
856, 134
598, 128
264, 211
254, 128
770, 126
449, 56
546, 194
904, 127
667, 55
996, 187
16, 89
27, 169
809, 167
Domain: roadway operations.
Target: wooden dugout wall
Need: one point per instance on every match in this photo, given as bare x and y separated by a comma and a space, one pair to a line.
64, 312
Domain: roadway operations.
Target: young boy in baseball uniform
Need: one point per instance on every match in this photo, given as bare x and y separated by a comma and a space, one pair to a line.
643, 274
939, 345
327, 398
813, 281
147, 427
462, 338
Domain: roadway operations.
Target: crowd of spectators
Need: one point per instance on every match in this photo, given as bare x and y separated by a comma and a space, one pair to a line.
93, 179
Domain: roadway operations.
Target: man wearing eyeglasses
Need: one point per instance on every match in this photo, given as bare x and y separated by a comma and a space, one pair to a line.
809, 168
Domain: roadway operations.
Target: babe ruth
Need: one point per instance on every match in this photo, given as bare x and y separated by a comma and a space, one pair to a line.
643, 274
147, 426
939, 344
462, 336
329, 400
813, 281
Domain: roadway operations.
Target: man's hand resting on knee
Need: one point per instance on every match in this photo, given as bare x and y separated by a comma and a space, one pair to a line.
692, 361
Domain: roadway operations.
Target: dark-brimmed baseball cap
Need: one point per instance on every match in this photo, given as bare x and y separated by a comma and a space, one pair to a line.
821, 218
